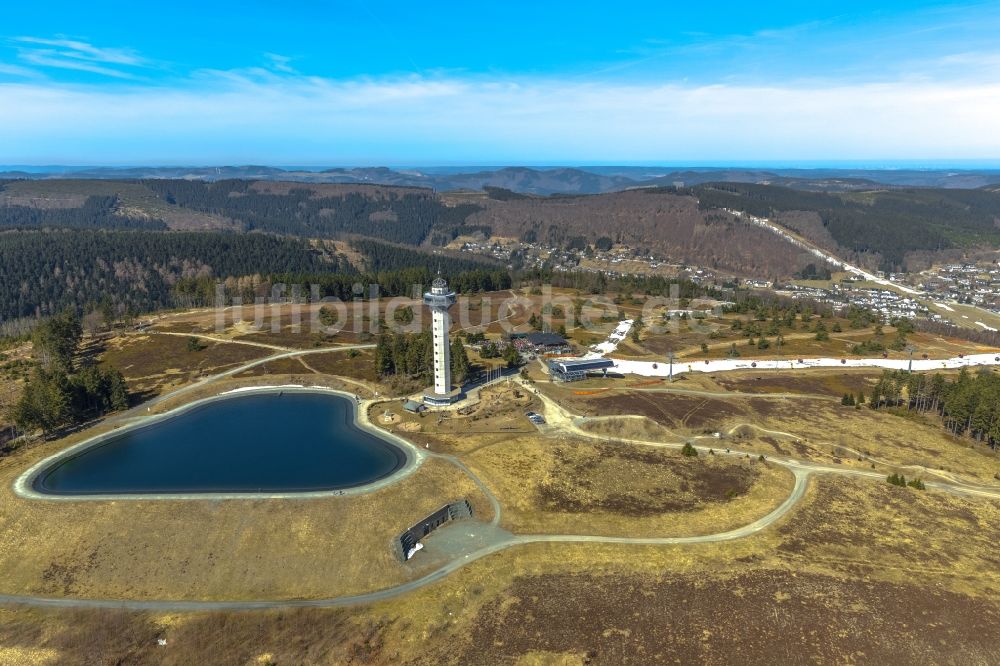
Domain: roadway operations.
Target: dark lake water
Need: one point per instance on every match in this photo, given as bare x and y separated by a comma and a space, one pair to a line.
289, 442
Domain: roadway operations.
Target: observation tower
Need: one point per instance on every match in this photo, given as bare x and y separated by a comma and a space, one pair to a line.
439, 299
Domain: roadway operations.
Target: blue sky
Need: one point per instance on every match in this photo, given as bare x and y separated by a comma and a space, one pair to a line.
353, 82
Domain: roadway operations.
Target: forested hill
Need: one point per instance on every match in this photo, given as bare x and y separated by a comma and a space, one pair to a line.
43, 272
888, 223
405, 216
886, 228
97, 212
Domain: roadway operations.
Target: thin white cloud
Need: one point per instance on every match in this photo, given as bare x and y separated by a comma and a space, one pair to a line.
73, 48
280, 63
257, 115
987, 60
80, 56
45, 58
17, 70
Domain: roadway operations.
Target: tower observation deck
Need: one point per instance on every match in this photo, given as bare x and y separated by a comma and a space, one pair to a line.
439, 299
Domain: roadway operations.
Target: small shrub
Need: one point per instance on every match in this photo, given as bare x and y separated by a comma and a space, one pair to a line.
689, 450
328, 316
896, 479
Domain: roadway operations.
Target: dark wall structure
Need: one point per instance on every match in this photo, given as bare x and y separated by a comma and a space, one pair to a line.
455, 511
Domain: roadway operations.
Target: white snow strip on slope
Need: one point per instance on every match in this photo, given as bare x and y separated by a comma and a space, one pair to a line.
825, 256
661, 369
611, 344
257, 388
944, 307
988, 328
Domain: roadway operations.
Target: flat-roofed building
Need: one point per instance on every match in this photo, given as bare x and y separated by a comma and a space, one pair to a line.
541, 342
575, 369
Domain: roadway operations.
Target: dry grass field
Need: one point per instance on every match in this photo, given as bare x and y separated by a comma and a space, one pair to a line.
815, 429
356, 320
812, 590
580, 487
154, 364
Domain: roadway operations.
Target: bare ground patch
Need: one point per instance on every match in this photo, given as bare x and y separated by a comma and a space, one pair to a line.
152, 363
629, 428
584, 487
636, 481
671, 409
757, 617
854, 525
820, 383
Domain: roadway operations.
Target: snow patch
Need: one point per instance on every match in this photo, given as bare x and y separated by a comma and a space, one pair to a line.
611, 344
257, 388
661, 369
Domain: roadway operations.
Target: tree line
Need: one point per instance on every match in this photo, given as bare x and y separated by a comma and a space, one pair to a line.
381, 257
59, 393
411, 356
42, 272
968, 404
947, 329
602, 283
346, 285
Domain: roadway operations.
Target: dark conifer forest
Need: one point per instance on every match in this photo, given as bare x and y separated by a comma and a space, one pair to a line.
401, 218
141, 245
889, 222
97, 212
41, 272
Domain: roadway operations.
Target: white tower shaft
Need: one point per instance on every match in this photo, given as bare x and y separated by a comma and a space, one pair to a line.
439, 299
440, 323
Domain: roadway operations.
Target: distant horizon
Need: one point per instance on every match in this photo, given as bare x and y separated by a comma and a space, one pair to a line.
971, 165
